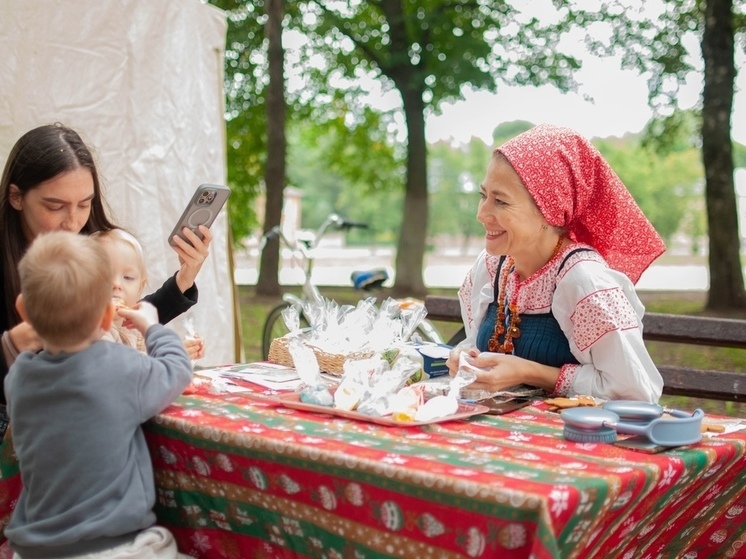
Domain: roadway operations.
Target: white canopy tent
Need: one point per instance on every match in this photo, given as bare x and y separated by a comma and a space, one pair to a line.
141, 81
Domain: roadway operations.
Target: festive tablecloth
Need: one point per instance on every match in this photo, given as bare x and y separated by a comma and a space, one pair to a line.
240, 478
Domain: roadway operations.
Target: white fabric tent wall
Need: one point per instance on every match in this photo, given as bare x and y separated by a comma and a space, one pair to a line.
141, 81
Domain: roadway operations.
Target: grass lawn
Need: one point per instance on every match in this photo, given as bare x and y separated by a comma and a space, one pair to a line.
254, 309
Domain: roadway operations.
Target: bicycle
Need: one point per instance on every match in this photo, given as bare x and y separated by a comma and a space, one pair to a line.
364, 280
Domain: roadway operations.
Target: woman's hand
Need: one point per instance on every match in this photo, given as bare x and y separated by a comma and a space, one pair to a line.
195, 347
24, 337
191, 256
503, 371
453, 357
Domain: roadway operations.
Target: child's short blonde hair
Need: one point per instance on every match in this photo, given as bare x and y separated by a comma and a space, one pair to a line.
121, 235
66, 286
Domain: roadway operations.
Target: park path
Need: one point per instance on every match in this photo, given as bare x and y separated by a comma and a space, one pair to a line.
443, 269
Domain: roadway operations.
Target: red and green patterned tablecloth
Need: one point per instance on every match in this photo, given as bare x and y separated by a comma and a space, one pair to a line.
239, 478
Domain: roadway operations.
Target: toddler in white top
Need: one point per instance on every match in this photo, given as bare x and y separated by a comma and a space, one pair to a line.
129, 282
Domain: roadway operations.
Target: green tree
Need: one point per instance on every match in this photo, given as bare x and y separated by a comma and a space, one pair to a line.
726, 272
430, 51
667, 186
317, 165
274, 170
656, 45
454, 177
245, 110
509, 130
348, 138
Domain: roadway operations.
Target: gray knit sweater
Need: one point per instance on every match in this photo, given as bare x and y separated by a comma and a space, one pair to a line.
75, 421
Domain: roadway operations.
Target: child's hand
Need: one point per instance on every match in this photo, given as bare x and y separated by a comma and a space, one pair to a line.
195, 347
141, 317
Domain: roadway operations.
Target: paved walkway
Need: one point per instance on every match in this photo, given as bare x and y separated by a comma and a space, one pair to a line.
446, 269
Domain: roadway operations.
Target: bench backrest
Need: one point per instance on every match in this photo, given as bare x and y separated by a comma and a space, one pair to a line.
683, 329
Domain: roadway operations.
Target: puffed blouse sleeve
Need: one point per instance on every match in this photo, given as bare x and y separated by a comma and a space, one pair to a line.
601, 315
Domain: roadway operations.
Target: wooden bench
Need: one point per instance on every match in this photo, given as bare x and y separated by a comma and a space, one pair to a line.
683, 329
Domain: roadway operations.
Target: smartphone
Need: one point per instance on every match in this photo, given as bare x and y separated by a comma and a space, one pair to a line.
202, 209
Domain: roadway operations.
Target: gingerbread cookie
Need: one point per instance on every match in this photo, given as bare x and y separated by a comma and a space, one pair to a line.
561, 403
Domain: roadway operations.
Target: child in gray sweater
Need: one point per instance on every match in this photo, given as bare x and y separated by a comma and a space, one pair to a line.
76, 408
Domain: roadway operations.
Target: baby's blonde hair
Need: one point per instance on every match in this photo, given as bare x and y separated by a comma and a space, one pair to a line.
66, 286
120, 235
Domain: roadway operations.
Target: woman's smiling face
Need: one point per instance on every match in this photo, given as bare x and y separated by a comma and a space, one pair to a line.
512, 222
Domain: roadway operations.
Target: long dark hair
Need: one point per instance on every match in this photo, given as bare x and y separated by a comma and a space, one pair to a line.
39, 155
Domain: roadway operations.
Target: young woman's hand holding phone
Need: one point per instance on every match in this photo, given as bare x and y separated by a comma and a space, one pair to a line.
191, 236
191, 255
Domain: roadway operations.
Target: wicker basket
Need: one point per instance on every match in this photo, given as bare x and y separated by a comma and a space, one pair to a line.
332, 363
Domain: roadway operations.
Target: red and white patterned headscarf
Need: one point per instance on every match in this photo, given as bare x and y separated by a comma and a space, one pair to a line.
575, 188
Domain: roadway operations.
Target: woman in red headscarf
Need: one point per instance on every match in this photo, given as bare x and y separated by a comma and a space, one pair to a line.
551, 301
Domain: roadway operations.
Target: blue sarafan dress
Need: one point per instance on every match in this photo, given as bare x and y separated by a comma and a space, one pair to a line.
541, 339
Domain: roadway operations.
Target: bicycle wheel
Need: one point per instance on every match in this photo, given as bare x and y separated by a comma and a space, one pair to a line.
274, 327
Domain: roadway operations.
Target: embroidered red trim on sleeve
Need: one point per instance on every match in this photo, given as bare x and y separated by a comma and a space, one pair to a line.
565, 379
600, 313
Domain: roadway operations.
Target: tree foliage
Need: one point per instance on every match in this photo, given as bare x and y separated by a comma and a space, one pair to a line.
244, 82
359, 143
667, 186
657, 46
455, 176
350, 152
429, 52
328, 188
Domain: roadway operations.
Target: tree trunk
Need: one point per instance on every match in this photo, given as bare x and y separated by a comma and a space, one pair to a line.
410, 252
726, 274
274, 172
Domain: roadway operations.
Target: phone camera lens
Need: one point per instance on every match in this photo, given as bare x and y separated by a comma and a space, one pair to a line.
206, 198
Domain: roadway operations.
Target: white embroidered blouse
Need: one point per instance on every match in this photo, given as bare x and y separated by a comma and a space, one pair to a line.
596, 307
